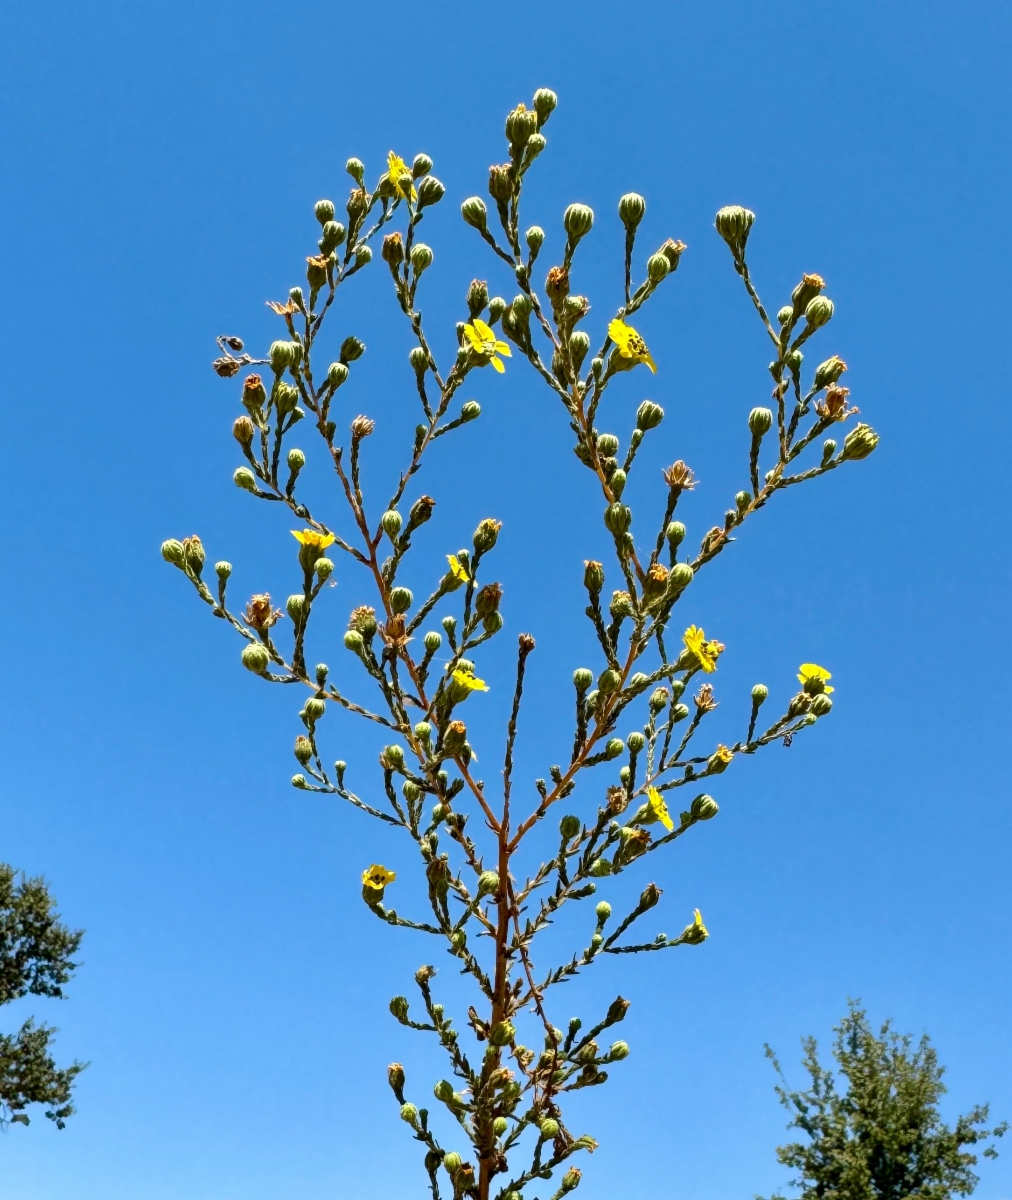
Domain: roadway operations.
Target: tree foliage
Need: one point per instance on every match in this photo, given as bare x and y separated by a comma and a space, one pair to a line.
36, 953
882, 1136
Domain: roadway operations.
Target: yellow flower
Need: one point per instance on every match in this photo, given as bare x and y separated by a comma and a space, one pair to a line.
485, 344
309, 537
469, 680
377, 877
705, 653
630, 344
397, 168
697, 923
811, 673
659, 808
457, 570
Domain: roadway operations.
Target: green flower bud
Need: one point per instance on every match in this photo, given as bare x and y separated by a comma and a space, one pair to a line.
354, 641
488, 883
535, 238
452, 1161
759, 694
618, 1051
419, 360
617, 518
303, 749
400, 599
614, 747
636, 741
477, 297
409, 1113
680, 577
545, 101
337, 373
593, 576
314, 709
578, 220
296, 460
820, 705
569, 827
223, 570
283, 355
742, 500
499, 1126
356, 169
609, 681
659, 698
470, 411
286, 397
443, 1090
600, 867
423, 731
333, 236
733, 224
298, 781
324, 210
657, 267
421, 257
172, 551
819, 311
675, 533
502, 1033
295, 606
649, 415
607, 445
859, 443
760, 421
474, 212
828, 450
433, 641
785, 314
324, 568
351, 349
829, 371
617, 482
193, 555
392, 757
242, 431
704, 808
255, 658
582, 679
363, 256
579, 345
631, 209
430, 191
549, 1129
571, 1179
391, 522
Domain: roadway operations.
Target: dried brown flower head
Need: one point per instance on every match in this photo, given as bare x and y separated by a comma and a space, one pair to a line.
361, 427
704, 700
680, 476
259, 614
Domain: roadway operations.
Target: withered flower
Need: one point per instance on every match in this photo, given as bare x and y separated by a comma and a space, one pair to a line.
361, 427
259, 614
704, 700
680, 476
227, 366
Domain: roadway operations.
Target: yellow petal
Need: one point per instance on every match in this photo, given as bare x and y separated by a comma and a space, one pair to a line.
299, 537
497, 363
473, 337
483, 331
649, 361
503, 348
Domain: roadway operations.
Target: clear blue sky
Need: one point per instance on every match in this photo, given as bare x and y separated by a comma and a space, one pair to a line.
160, 166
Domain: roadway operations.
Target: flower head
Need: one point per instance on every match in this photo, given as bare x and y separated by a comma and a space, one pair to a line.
457, 569
814, 678
259, 613
397, 169
311, 537
659, 809
697, 923
630, 344
705, 652
468, 680
377, 877
486, 345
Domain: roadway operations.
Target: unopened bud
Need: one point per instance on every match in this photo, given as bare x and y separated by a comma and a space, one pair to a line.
733, 224
488, 883
474, 212
649, 415
703, 808
582, 679
821, 705
535, 237
569, 826
337, 374
819, 311
421, 257
172, 552
242, 431
619, 1050
657, 267
409, 1113
391, 522
578, 220
324, 210
760, 421
545, 101
430, 191
759, 694
351, 349
502, 1033
829, 371
614, 747
617, 518
400, 599
631, 209
859, 443
255, 658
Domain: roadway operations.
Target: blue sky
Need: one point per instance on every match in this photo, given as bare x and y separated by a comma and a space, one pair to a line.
161, 163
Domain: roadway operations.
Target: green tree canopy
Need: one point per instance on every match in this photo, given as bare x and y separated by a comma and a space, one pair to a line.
882, 1138
36, 953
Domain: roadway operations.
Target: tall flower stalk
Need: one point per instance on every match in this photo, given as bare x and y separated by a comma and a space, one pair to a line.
503, 1100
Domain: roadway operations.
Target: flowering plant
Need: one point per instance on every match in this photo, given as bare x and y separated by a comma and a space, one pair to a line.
503, 1099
